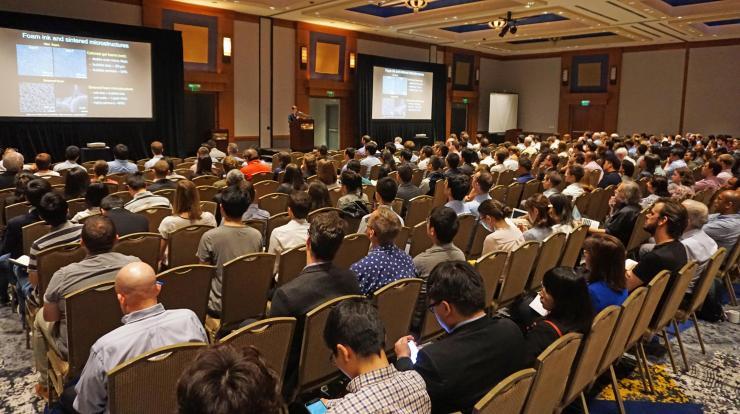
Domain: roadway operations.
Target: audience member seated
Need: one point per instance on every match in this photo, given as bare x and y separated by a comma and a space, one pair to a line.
227, 242
254, 212
727, 162
681, 185
452, 162
538, 217
254, 164
565, 297
215, 153
457, 187
625, 208
505, 236
142, 199
161, 170
292, 180
611, 172
561, 214
385, 263
406, 189
13, 163
604, 257
120, 163
385, 193
100, 173
657, 186
76, 183
294, 233
94, 195
157, 154
19, 193
125, 221
283, 159
204, 166
43, 166
186, 211
354, 201
309, 166
100, 265
355, 334
709, 180
71, 155
146, 326
524, 170
724, 225
573, 176
434, 173
675, 160
699, 246
482, 183
371, 159
319, 196
327, 174
479, 350
500, 159
229, 164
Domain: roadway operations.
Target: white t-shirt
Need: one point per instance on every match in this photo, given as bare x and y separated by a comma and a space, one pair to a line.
172, 223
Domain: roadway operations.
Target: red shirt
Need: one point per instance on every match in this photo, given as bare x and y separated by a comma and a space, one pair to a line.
254, 167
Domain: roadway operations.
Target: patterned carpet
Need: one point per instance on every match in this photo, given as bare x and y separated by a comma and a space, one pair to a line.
712, 385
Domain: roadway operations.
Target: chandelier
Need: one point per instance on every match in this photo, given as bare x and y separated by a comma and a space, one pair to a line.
506, 24
415, 5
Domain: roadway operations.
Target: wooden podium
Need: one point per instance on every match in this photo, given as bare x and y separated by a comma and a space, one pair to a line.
301, 135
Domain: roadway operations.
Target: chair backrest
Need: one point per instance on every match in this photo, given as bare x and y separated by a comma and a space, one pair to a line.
553, 368
168, 193
604, 208
275, 221
418, 210
731, 260
274, 203
183, 243
374, 171
671, 300
506, 177
465, 230
509, 395
205, 180
655, 290
369, 191
292, 261
593, 177
702, 286
150, 380
531, 188
209, 206
261, 176
272, 337
513, 193
498, 192
430, 328
244, 286
639, 235
476, 245
582, 203
573, 246
627, 318
314, 367
439, 198
595, 343
145, 246
76, 205
548, 258
154, 217
417, 176
396, 302
207, 192
324, 210
402, 237
334, 195
54, 258
397, 205
124, 195
187, 287
14, 210
31, 233
517, 272
91, 313
594, 206
491, 267
420, 240
265, 187
353, 248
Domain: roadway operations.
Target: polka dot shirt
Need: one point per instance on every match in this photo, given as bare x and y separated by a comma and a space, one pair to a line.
381, 266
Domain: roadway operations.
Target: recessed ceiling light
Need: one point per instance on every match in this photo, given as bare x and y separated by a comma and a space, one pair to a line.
680, 17
271, 7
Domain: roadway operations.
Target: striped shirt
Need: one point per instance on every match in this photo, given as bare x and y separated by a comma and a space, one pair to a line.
67, 232
384, 391
146, 200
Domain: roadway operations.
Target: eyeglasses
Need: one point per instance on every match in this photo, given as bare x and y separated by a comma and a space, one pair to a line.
431, 306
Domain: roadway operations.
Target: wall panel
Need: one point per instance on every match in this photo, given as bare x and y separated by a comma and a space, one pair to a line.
283, 78
246, 78
372, 47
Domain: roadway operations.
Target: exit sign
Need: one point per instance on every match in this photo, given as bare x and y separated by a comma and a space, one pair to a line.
194, 87
585, 102
465, 101
330, 94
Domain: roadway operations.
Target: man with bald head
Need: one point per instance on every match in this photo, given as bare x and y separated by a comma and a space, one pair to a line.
146, 326
13, 163
254, 164
724, 226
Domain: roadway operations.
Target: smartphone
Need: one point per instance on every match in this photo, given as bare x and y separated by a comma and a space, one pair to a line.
316, 407
516, 213
414, 351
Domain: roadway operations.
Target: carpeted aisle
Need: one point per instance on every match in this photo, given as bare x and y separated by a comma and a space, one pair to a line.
17, 378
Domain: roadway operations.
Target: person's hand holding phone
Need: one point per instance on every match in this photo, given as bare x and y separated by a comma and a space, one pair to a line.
402, 348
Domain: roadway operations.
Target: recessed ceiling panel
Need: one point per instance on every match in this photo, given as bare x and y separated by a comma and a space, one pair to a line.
538, 18
400, 9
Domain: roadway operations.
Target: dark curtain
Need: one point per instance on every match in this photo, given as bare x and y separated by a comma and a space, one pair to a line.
385, 130
31, 136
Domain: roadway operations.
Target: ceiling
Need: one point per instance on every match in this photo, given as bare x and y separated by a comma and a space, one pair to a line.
543, 25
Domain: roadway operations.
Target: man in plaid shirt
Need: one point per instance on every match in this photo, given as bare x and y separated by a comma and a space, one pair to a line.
355, 334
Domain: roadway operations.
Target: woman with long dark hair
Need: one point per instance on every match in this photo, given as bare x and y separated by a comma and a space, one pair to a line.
537, 207
204, 166
658, 188
292, 180
319, 195
76, 183
561, 214
564, 295
604, 255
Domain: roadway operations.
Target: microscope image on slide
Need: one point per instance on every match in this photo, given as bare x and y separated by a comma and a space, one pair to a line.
393, 107
70, 99
34, 60
36, 98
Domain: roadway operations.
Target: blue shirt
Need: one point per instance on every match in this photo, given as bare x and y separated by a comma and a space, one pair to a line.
459, 207
723, 229
473, 204
381, 266
119, 166
524, 178
603, 296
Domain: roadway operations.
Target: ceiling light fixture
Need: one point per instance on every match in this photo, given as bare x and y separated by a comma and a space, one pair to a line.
416, 5
506, 24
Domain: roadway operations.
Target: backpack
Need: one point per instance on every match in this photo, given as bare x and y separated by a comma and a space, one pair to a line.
356, 209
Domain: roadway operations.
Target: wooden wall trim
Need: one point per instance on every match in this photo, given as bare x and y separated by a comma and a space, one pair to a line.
394, 40
133, 2
683, 88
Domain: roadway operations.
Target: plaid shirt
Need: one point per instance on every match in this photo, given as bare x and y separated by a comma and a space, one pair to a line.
384, 391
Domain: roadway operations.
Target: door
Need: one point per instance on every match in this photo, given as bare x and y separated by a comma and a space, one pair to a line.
586, 118
325, 113
459, 121
200, 118
332, 126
